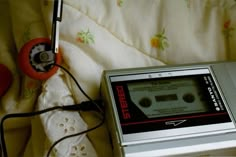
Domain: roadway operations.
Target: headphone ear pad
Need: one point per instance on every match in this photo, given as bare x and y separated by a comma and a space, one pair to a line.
25, 63
6, 79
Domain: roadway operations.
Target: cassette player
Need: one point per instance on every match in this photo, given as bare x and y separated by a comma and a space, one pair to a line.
171, 110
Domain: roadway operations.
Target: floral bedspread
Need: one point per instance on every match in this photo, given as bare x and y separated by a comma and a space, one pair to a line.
97, 35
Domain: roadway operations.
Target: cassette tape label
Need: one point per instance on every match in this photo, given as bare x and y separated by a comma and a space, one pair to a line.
155, 103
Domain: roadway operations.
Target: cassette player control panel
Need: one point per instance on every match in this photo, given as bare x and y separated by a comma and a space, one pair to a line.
171, 110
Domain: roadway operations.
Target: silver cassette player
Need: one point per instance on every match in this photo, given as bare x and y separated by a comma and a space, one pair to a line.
171, 110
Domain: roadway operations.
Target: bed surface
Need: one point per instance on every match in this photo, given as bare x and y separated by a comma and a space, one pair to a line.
96, 35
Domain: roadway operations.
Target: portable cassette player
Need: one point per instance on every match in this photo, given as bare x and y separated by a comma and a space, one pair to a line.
171, 110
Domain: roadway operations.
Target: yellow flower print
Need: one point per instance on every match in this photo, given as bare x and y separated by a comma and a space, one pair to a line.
30, 88
120, 3
155, 42
27, 33
159, 41
85, 37
228, 28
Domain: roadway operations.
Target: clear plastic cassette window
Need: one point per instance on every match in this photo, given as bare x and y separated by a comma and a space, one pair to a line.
152, 101
169, 96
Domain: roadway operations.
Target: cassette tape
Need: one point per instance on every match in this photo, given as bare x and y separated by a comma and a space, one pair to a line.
171, 110
167, 97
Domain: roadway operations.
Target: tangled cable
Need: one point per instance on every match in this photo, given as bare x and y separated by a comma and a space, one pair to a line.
84, 106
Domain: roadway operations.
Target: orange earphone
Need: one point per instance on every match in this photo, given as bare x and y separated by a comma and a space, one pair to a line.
37, 57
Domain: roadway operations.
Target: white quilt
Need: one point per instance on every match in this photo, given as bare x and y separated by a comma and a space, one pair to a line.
97, 35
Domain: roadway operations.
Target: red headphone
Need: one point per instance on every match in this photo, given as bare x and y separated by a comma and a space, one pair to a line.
37, 58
